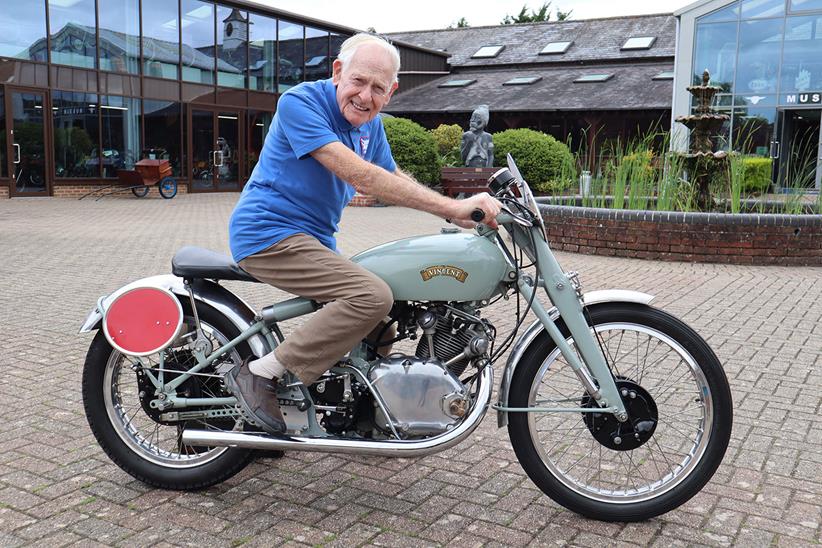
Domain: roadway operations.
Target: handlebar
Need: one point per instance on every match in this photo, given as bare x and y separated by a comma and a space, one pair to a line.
477, 215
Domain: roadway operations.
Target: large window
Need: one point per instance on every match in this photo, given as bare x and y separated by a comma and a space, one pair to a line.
120, 122
716, 51
198, 41
161, 38
76, 135
802, 54
335, 43
119, 35
753, 130
162, 122
317, 62
759, 46
262, 53
258, 123
24, 35
73, 36
292, 54
232, 42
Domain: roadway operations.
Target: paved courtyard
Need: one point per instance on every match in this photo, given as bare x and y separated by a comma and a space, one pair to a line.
57, 487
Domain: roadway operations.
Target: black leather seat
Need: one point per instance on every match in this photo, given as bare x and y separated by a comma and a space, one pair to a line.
197, 262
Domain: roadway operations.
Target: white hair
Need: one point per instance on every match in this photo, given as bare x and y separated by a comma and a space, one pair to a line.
350, 46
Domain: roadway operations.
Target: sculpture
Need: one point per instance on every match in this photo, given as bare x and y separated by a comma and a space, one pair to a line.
477, 146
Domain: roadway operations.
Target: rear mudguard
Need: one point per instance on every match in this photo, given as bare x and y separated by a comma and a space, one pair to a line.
527, 338
205, 292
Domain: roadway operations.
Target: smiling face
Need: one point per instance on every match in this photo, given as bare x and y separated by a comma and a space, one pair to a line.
365, 84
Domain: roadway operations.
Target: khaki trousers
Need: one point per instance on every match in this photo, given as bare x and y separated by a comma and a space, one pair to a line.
355, 301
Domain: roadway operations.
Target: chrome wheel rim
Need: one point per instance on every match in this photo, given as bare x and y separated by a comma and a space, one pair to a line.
152, 441
669, 373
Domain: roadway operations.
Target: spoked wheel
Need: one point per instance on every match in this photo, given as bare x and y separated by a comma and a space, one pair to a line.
680, 416
147, 442
140, 191
168, 187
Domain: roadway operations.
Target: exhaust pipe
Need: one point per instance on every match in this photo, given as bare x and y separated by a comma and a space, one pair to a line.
394, 448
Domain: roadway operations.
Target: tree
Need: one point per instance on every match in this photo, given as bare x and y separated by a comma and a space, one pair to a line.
536, 16
461, 24
543, 14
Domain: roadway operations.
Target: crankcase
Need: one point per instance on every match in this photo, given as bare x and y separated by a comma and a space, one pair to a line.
422, 396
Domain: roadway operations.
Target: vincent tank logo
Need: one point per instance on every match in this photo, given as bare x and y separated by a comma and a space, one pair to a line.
444, 270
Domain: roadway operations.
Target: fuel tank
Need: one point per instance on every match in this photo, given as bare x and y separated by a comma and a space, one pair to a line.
440, 267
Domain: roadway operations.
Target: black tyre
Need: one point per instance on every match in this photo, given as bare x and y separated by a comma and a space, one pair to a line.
168, 187
672, 381
140, 191
149, 449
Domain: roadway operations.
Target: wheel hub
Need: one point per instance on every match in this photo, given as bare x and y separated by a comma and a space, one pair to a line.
628, 435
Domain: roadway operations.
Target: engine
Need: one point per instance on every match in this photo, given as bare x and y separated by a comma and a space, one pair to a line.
423, 393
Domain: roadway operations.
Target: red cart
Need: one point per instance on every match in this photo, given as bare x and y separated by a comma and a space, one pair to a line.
146, 173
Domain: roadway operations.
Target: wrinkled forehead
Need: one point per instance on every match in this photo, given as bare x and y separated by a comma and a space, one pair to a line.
372, 61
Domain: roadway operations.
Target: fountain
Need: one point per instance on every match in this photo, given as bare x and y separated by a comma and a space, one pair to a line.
701, 162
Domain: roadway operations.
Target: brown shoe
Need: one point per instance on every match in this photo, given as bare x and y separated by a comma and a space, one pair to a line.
258, 397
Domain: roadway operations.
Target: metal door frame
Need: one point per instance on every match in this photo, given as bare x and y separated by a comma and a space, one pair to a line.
215, 112
48, 188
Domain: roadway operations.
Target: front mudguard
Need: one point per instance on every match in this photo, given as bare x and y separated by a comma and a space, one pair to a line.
205, 292
527, 338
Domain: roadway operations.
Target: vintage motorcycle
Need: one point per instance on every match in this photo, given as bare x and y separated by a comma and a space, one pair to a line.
616, 410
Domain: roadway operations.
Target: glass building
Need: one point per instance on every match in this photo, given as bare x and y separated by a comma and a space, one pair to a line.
766, 55
89, 87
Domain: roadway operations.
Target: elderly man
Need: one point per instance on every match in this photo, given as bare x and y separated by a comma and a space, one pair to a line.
325, 143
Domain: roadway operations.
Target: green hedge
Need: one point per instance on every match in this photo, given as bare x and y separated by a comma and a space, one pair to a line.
413, 148
757, 176
540, 157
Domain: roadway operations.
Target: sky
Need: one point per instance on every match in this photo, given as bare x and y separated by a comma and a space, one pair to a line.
395, 15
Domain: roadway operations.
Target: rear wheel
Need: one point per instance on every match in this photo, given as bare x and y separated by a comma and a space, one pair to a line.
680, 415
140, 191
146, 442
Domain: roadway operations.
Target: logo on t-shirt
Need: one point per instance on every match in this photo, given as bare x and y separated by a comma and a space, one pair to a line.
363, 145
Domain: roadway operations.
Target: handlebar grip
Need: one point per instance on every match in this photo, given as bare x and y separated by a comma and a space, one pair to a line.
477, 215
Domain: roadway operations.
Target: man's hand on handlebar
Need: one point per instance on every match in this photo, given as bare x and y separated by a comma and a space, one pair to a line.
464, 209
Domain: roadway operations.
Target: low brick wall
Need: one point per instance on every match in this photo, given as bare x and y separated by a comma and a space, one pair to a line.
691, 237
75, 191
362, 200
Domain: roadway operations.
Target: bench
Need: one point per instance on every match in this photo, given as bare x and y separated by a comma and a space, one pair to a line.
456, 181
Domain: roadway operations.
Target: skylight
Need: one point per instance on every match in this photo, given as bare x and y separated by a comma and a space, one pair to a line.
522, 81
456, 83
555, 47
594, 78
487, 52
665, 75
315, 61
639, 42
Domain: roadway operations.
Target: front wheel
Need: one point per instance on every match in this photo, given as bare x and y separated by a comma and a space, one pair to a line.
168, 188
680, 417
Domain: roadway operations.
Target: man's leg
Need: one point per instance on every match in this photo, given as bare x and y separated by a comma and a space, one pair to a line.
355, 301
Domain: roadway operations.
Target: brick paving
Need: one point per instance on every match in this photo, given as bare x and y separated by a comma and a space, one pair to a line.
58, 488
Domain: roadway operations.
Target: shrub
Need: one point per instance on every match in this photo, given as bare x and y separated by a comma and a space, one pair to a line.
447, 137
757, 174
448, 140
413, 148
540, 157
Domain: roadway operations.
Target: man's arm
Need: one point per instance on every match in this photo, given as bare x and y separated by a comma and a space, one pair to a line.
399, 188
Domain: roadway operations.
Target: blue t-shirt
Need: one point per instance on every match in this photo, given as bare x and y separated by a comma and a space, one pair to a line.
289, 192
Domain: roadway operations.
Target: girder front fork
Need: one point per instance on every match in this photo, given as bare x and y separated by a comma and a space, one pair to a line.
592, 370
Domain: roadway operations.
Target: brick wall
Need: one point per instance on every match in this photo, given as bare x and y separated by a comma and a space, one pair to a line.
692, 237
362, 200
75, 191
